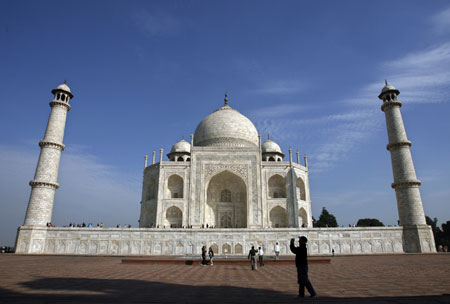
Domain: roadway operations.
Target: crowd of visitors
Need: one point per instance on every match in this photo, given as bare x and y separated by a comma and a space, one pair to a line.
89, 225
6, 249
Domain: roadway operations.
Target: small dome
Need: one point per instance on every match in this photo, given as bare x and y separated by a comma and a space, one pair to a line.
226, 127
270, 146
63, 87
181, 147
388, 87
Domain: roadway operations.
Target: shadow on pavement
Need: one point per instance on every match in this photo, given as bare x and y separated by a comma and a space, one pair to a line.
84, 290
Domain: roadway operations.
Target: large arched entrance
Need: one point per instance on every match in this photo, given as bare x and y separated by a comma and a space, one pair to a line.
278, 217
174, 217
302, 218
226, 205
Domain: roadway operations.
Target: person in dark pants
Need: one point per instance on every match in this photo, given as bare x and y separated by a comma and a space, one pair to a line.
211, 256
204, 256
261, 256
251, 256
301, 261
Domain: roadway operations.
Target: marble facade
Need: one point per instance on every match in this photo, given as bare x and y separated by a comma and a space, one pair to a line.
142, 241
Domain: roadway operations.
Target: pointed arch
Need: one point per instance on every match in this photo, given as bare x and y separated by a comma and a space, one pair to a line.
174, 217
277, 186
300, 189
302, 218
278, 217
175, 186
226, 205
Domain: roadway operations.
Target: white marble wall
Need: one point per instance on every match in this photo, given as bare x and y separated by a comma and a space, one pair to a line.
141, 241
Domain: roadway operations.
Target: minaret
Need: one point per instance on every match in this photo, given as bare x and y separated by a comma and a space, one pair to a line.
44, 184
406, 184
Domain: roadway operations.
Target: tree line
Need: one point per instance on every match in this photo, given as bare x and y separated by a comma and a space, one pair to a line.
441, 234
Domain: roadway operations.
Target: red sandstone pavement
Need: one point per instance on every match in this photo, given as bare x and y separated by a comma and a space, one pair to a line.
349, 279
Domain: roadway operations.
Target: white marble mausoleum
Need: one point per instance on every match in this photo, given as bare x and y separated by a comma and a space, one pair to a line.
225, 189
226, 178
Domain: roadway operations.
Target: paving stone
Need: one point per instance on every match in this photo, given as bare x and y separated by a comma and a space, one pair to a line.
352, 279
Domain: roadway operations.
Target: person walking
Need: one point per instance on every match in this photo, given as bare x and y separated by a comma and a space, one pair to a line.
204, 256
211, 255
251, 256
261, 256
276, 248
301, 261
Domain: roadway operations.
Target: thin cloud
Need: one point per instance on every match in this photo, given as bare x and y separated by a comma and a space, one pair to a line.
441, 21
90, 190
281, 87
278, 110
156, 23
417, 73
341, 138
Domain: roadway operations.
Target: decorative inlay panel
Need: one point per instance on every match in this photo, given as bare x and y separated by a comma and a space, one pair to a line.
210, 169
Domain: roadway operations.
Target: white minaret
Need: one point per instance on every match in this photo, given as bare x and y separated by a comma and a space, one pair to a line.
44, 184
406, 184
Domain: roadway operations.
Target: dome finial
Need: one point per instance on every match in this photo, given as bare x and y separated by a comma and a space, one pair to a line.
268, 136
226, 98
385, 81
182, 137
65, 81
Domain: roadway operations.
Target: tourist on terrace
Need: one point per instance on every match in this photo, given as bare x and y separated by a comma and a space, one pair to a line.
276, 248
251, 256
204, 256
301, 261
261, 256
211, 255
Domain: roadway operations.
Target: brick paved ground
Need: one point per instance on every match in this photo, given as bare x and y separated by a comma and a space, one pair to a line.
357, 279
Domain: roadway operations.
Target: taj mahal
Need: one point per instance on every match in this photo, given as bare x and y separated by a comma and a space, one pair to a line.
225, 188
225, 178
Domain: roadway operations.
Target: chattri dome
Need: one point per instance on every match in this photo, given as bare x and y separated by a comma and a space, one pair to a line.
181, 147
226, 127
269, 146
387, 88
63, 87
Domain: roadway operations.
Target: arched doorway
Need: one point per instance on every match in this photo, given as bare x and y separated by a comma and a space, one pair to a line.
174, 217
175, 187
300, 188
302, 218
277, 186
226, 201
278, 217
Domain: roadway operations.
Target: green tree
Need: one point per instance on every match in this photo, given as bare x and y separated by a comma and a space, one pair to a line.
326, 219
437, 233
445, 234
369, 222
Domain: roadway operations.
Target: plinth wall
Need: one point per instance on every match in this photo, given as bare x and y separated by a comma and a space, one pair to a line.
143, 241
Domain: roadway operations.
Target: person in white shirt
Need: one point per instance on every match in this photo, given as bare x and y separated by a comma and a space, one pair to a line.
276, 248
261, 256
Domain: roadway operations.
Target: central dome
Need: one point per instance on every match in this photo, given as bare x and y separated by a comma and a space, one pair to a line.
226, 127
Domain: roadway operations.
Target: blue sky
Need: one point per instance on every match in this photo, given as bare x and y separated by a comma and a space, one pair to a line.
144, 73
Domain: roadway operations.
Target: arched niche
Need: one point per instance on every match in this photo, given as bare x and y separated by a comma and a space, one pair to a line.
226, 248
215, 248
278, 217
300, 189
238, 249
174, 217
277, 186
175, 187
226, 205
302, 218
